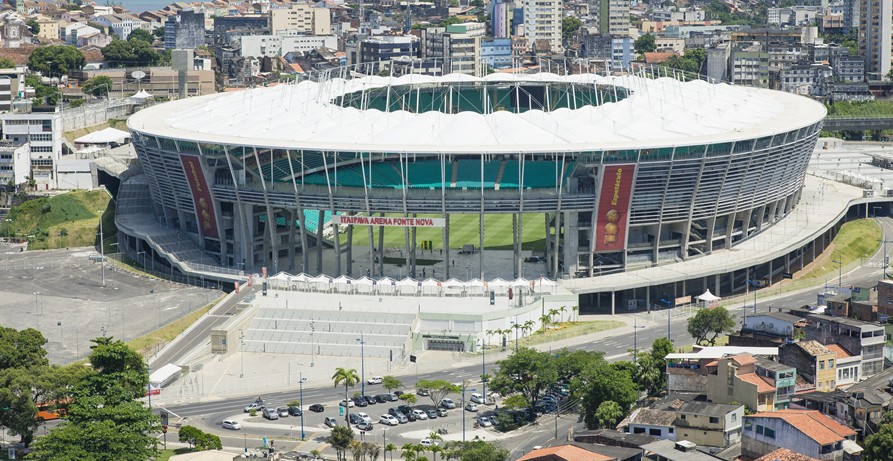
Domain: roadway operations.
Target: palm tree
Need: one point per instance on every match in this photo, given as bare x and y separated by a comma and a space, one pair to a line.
527, 327
545, 320
348, 377
315, 453
576, 310
409, 452
435, 449
563, 309
390, 448
372, 450
552, 313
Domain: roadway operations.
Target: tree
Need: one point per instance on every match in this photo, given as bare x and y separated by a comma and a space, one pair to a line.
409, 398
438, 389
198, 439
33, 26
708, 324
348, 377
99, 85
106, 421
571, 364
341, 439
21, 349
569, 27
141, 34
390, 448
390, 383
477, 450
528, 372
56, 59
608, 414
130, 53
514, 401
647, 374
879, 445
6, 64
645, 44
600, 384
660, 348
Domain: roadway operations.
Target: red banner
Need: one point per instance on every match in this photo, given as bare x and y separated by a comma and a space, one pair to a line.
201, 195
613, 207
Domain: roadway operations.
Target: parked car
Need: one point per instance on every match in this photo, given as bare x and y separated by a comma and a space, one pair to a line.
364, 426
282, 411
295, 411
271, 413
401, 418
394, 396
370, 400
317, 408
359, 401
420, 414
382, 398
471, 407
355, 418
448, 403
254, 406
397, 393
432, 413
346, 403
485, 421
423, 392
535, 259
331, 422
477, 398
427, 443
441, 412
374, 380
405, 409
388, 420
231, 425
364, 417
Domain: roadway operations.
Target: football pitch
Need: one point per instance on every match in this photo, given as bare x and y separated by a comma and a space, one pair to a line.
464, 230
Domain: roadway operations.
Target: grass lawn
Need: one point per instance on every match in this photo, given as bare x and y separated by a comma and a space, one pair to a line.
856, 240
66, 220
164, 455
464, 230
567, 330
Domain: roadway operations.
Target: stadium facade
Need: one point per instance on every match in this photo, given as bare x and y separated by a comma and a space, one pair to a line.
626, 171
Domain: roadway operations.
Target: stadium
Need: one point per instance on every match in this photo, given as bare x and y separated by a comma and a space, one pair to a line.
584, 174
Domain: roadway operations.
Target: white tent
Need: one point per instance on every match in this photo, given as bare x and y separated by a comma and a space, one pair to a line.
409, 286
431, 287
321, 282
342, 284
708, 297
105, 137
364, 285
474, 286
454, 286
141, 96
499, 286
387, 286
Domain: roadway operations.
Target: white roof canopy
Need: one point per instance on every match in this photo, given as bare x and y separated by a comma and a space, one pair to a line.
105, 136
708, 296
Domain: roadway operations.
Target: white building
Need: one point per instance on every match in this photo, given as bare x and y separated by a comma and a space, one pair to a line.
72, 32
302, 17
15, 164
276, 45
121, 24
542, 21
41, 130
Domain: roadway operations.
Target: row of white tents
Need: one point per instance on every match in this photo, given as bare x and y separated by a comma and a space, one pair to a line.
407, 286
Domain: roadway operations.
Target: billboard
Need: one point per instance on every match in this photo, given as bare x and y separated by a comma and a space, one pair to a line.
201, 195
388, 221
613, 207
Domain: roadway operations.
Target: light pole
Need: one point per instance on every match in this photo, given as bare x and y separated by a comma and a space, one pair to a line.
242, 354
301, 401
37, 308
312, 329
463, 409
636, 337
839, 273
61, 337
101, 248
362, 365
149, 386
484, 369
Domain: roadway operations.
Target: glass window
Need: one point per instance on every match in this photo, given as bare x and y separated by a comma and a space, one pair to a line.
744, 146
719, 149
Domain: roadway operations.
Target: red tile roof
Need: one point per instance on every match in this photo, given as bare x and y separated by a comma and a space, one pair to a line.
743, 359
820, 428
839, 350
657, 57
565, 452
783, 454
18, 56
762, 386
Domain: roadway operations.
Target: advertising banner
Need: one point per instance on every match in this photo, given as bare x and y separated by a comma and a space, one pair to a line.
613, 207
201, 195
388, 221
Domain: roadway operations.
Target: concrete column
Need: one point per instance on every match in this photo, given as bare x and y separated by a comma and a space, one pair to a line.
718, 284
292, 231
415, 247
446, 245
520, 269
612, 302
481, 254
515, 245
349, 258
319, 229
556, 242
381, 249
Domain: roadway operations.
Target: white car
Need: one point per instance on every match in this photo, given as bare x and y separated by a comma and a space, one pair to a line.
477, 398
448, 403
419, 414
427, 443
485, 421
471, 407
365, 417
232, 425
374, 380
348, 403
388, 420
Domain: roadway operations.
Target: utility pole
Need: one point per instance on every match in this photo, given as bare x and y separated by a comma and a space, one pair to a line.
301, 398
101, 248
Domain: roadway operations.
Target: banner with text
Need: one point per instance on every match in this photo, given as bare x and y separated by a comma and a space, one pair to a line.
388, 221
613, 207
201, 195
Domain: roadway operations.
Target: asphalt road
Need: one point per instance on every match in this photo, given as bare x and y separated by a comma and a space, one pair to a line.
209, 415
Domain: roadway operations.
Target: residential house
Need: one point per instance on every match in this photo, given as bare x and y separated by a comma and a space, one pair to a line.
857, 337
767, 329
783, 454
15, 163
814, 362
848, 366
12, 86
760, 384
806, 79
709, 424
667, 450
654, 422
48, 27
688, 372
808, 432
121, 24
565, 453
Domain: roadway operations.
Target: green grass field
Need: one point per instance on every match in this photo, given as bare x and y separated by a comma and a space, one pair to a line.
464, 230
65, 220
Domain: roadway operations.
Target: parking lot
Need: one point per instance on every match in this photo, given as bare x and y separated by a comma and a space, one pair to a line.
61, 293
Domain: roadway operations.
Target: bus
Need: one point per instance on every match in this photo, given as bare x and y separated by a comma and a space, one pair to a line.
53, 409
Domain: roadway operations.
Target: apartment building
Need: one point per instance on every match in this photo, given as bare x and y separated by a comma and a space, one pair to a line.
186, 30
815, 363
41, 131
875, 30
709, 424
542, 21
760, 384
857, 337
807, 432
302, 17
120, 24
12, 87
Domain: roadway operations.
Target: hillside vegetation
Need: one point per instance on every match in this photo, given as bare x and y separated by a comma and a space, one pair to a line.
61, 221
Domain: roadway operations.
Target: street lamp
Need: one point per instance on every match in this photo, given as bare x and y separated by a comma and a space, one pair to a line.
312, 329
839, 273
362, 365
37, 308
463, 409
484, 369
242, 354
101, 248
301, 402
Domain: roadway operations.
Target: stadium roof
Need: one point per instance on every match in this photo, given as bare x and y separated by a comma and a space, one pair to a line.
660, 113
